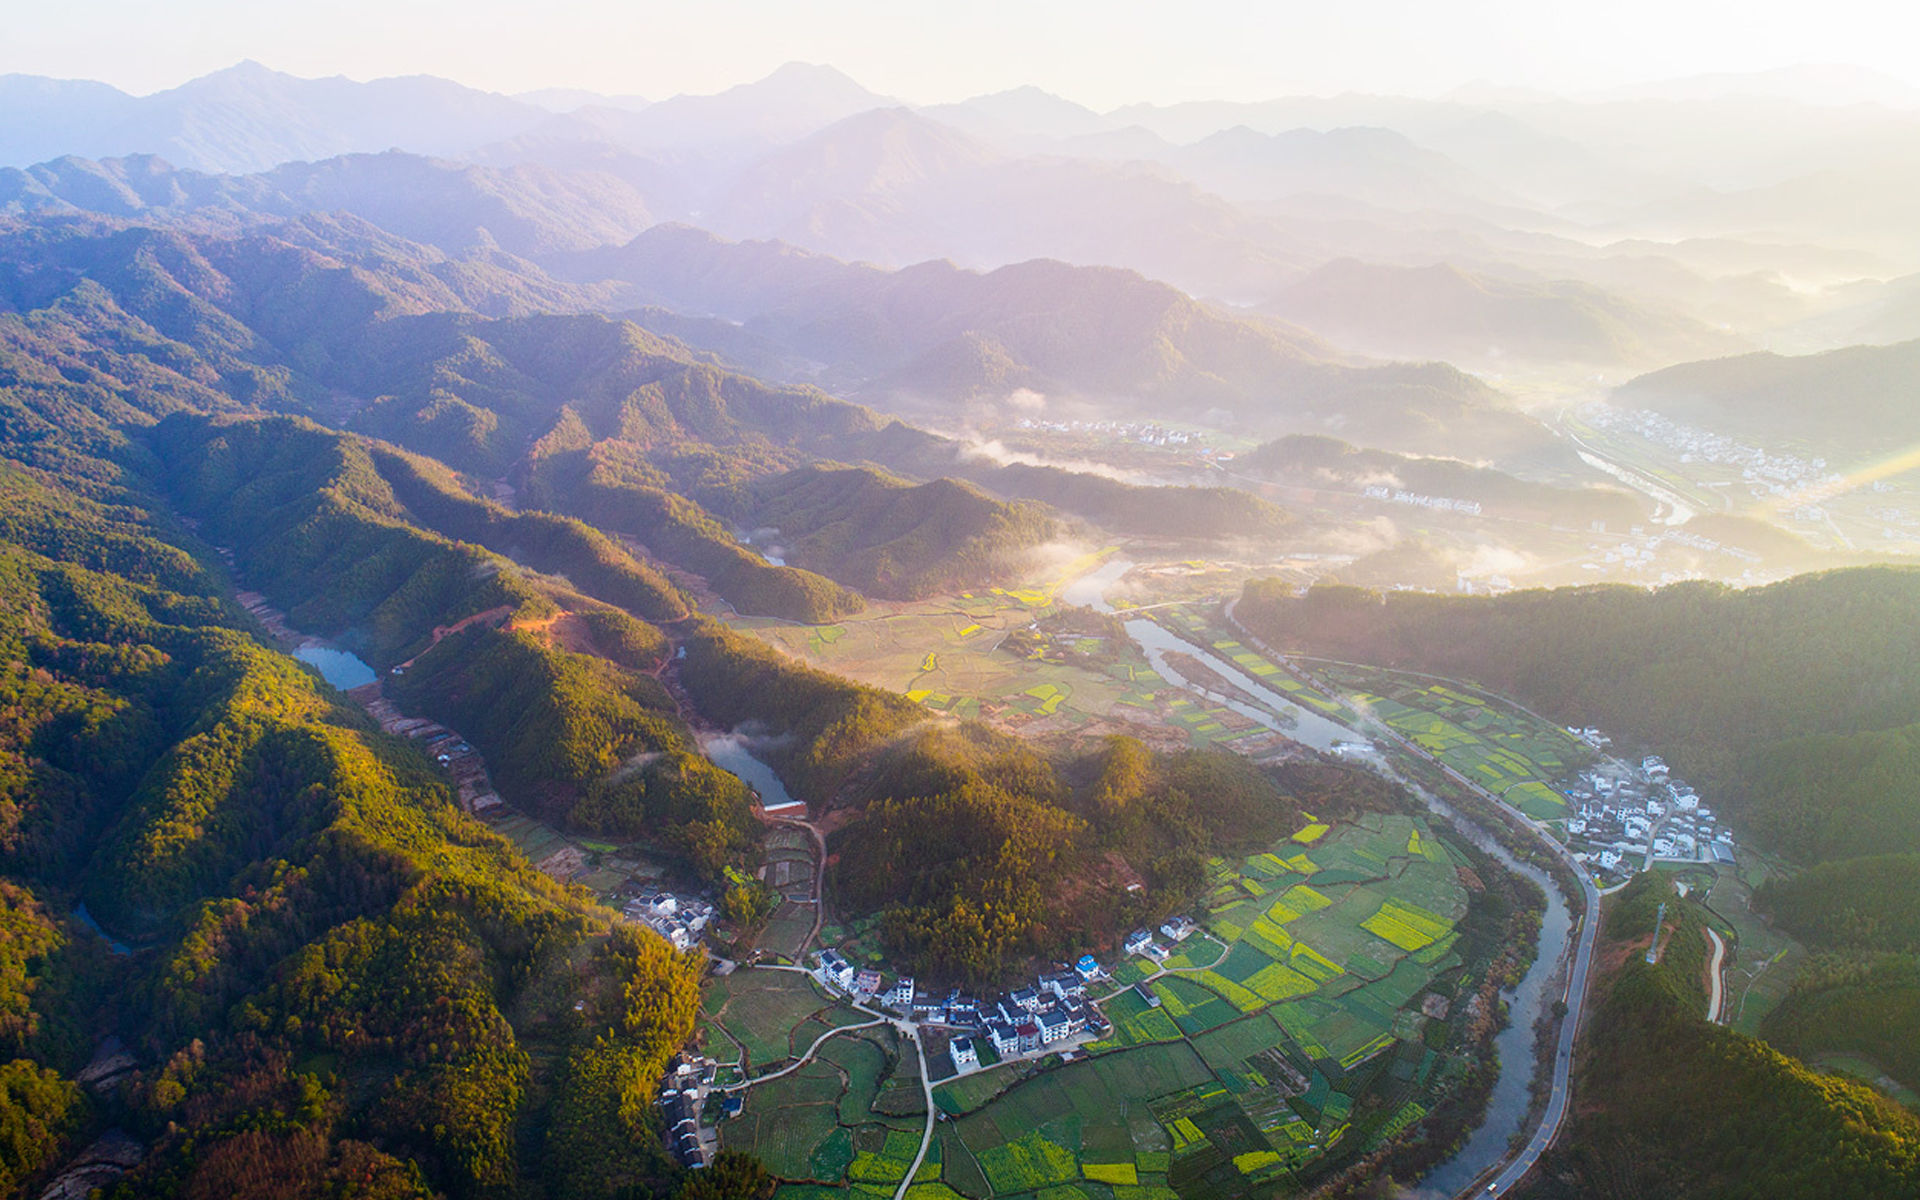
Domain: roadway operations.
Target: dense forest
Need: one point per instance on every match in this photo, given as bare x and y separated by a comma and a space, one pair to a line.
1860, 995
1796, 706
335, 978
1670, 1105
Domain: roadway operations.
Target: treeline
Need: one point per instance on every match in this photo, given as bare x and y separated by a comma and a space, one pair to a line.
820, 727
1862, 1005
1185, 514
552, 544
612, 487
1870, 904
1673, 1106
1860, 993
312, 524
1793, 704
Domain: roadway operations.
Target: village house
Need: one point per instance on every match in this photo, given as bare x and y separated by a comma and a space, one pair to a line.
836, 970
964, 1055
866, 983
1054, 1026
1063, 984
1005, 1038
900, 995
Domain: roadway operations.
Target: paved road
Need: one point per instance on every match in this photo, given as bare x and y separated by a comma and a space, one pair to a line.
806, 1058
1716, 996
1576, 997
926, 1139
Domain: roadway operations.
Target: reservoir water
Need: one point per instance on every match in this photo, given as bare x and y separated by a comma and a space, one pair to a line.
337, 667
729, 751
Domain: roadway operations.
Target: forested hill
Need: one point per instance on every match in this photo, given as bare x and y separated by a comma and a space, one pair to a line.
1670, 1105
895, 538
326, 953
1799, 703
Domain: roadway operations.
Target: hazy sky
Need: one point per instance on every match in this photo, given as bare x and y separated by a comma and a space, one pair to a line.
1100, 52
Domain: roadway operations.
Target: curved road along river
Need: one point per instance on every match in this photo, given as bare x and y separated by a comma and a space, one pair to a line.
1558, 1102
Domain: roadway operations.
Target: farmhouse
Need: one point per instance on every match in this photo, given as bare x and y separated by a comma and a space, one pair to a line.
867, 982
1005, 1039
964, 1055
1054, 1026
1088, 968
1179, 929
1138, 941
836, 970
1062, 984
900, 995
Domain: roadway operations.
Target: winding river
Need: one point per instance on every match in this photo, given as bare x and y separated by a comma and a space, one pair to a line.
1510, 1100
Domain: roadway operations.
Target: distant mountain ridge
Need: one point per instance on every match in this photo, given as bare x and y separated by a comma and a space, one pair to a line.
1441, 311
936, 338
1852, 402
525, 210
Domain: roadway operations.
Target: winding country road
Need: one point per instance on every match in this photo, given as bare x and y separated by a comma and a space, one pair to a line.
926, 1139
1716, 994
806, 1058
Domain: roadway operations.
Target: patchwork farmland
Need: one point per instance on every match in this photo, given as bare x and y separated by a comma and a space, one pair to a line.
1288, 1030
1510, 753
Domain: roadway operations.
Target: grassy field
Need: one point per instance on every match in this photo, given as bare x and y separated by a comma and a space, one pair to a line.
1764, 961
766, 1013
823, 1130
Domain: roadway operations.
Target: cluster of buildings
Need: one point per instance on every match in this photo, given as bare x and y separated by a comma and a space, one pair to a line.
1377, 491
683, 1096
1623, 816
679, 919
1142, 943
1051, 1010
1765, 473
1146, 433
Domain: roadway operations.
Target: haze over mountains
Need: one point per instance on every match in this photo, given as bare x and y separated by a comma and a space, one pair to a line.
1661, 201
807, 432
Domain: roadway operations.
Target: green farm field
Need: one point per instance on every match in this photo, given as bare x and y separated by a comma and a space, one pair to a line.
1514, 755
1299, 1001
